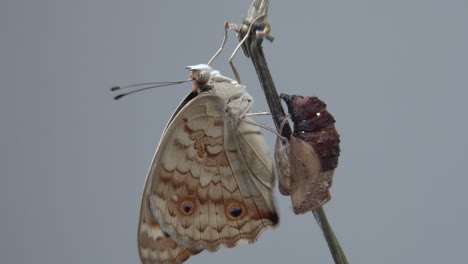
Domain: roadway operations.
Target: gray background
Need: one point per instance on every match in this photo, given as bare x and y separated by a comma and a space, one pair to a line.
73, 161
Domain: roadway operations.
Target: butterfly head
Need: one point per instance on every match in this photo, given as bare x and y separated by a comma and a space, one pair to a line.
201, 75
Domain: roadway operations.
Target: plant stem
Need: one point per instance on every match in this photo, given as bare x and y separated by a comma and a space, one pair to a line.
255, 50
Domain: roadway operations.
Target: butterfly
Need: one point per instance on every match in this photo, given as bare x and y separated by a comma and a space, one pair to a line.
307, 162
211, 179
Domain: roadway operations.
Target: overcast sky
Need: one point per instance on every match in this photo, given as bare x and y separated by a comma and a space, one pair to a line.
73, 161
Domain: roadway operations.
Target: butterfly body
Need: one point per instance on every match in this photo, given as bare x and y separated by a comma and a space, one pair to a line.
211, 179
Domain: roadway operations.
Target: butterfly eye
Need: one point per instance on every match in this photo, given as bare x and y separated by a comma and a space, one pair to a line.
187, 206
235, 210
203, 77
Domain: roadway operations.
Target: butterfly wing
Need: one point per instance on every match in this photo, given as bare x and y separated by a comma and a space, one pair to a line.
211, 180
155, 246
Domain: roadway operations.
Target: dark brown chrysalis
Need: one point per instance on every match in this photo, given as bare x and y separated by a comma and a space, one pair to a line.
311, 155
316, 126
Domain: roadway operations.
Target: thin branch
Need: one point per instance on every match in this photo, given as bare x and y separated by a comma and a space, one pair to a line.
268, 86
255, 50
333, 243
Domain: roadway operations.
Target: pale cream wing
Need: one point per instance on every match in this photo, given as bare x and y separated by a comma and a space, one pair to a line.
309, 185
282, 165
154, 245
252, 166
211, 180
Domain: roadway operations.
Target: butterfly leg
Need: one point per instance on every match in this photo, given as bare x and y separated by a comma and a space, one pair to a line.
236, 73
226, 26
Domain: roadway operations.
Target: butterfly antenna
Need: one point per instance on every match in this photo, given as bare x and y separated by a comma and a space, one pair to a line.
150, 85
116, 88
226, 26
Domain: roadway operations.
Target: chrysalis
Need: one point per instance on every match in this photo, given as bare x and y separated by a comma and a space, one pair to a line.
312, 156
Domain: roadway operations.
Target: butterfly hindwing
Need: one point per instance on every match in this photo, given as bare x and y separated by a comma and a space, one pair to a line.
204, 192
